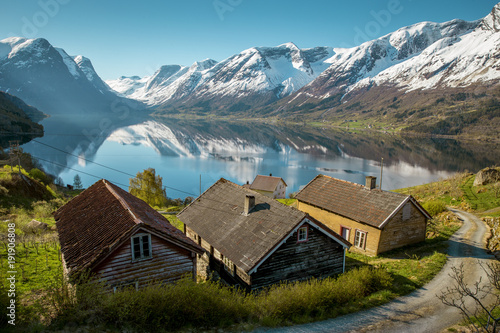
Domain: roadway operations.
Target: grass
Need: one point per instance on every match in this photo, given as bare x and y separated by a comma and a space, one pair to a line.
480, 198
458, 191
37, 262
288, 202
368, 282
174, 221
187, 305
200, 306
447, 191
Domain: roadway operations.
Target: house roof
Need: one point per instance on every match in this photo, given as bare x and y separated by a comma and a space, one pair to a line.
266, 183
354, 201
217, 216
101, 217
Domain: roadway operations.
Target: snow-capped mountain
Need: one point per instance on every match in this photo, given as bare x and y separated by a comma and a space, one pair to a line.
419, 57
422, 57
51, 80
267, 73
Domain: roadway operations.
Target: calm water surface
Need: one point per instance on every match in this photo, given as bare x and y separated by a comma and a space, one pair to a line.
182, 152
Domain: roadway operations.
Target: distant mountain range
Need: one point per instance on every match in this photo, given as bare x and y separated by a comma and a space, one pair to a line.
403, 79
258, 76
51, 80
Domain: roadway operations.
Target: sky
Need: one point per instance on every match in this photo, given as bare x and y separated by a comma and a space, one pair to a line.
137, 37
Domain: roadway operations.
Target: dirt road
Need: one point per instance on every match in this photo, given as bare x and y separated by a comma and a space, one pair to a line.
420, 311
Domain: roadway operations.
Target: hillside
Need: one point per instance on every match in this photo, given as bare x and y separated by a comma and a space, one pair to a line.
17, 117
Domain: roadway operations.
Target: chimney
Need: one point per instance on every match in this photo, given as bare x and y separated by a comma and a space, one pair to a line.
371, 182
270, 175
249, 204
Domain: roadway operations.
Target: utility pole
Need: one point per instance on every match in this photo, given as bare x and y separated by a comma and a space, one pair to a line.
381, 171
14, 151
200, 184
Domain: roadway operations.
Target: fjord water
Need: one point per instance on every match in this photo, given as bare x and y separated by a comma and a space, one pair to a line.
182, 152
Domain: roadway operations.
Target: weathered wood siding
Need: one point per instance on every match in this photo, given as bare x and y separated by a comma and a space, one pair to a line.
211, 260
335, 222
169, 263
398, 232
320, 256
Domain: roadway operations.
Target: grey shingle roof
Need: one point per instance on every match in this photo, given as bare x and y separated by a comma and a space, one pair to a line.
217, 216
266, 183
351, 200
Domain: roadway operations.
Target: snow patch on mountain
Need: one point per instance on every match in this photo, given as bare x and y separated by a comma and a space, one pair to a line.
460, 57
281, 70
70, 63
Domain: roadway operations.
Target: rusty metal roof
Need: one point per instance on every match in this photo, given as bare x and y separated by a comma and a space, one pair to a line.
102, 216
266, 183
217, 216
352, 200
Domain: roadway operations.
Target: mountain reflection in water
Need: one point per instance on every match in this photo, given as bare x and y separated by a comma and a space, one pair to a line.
181, 151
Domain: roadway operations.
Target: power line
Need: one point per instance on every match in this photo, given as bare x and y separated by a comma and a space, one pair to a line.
104, 166
86, 160
99, 177
191, 194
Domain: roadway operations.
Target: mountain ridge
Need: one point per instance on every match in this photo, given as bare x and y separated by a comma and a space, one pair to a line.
51, 80
397, 80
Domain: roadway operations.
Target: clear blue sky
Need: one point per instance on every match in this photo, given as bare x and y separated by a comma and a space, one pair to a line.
136, 37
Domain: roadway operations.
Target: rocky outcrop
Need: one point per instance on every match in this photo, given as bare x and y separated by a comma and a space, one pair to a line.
487, 176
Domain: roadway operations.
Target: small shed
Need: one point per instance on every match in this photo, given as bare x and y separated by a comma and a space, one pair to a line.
254, 241
120, 239
272, 187
374, 221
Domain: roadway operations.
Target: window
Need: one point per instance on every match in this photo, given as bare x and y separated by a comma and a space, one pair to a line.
406, 211
228, 266
345, 233
141, 247
360, 239
302, 234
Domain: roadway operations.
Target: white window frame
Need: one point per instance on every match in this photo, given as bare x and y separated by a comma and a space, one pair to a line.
360, 239
342, 228
300, 239
141, 244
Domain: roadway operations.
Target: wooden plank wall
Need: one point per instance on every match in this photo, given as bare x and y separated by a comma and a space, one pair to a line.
168, 264
320, 256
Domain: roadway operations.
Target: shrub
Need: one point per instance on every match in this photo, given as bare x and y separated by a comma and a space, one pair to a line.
311, 298
434, 207
39, 175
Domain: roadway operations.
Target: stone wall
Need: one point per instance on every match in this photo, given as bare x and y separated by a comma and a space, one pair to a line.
494, 240
399, 232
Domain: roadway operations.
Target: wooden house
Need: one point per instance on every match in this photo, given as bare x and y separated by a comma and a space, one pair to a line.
272, 187
109, 233
254, 241
374, 221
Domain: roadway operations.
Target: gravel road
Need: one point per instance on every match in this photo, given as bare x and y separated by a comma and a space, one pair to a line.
420, 311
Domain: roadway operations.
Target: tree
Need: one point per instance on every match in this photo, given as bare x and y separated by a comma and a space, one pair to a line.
77, 182
149, 187
478, 303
